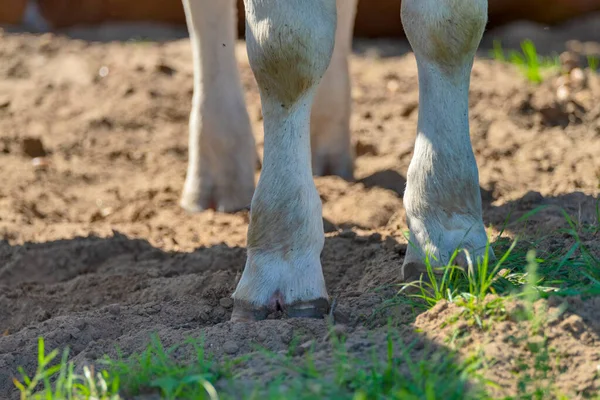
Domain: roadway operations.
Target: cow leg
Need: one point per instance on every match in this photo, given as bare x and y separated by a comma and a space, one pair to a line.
290, 44
442, 198
222, 154
332, 153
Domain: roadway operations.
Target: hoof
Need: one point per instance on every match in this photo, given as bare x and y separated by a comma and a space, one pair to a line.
244, 311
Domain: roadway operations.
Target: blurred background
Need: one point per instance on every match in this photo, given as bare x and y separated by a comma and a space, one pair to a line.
375, 19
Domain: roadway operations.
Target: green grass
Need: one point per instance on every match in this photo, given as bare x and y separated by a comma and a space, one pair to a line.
574, 271
593, 62
156, 370
66, 385
533, 66
519, 275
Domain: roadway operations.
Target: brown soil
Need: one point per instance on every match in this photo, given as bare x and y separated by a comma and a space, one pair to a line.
563, 352
95, 252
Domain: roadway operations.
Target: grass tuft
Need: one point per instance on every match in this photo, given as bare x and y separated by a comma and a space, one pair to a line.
52, 381
396, 375
519, 273
529, 62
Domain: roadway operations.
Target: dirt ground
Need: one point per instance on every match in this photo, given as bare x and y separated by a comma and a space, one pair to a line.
95, 252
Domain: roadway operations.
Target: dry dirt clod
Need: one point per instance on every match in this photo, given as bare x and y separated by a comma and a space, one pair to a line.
563, 94
337, 331
578, 78
226, 302
569, 60
532, 197
230, 348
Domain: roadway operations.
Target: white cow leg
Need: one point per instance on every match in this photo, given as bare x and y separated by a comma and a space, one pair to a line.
222, 155
442, 198
332, 152
289, 46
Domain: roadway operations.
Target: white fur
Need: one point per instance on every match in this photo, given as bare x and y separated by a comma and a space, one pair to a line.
332, 151
221, 146
442, 198
288, 44
289, 47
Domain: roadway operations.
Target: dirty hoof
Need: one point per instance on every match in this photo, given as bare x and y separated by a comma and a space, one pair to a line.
317, 308
228, 201
246, 312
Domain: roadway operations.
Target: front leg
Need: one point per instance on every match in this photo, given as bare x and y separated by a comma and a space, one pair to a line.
289, 46
442, 198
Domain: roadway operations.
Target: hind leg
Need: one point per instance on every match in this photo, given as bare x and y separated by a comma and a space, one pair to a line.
222, 154
332, 153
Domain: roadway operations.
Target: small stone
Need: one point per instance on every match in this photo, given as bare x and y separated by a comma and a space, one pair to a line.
562, 80
563, 94
40, 163
341, 315
569, 60
230, 348
578, 78
226, 302
103, 71
393, 86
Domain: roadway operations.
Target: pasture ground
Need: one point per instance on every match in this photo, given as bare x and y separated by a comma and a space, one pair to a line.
96, 255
